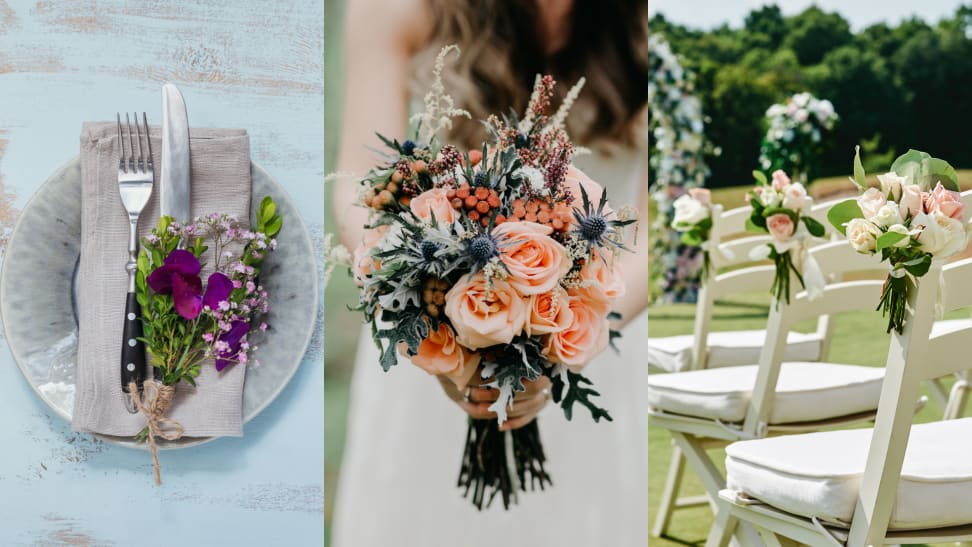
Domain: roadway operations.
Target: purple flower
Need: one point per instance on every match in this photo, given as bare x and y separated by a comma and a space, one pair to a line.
234, 339
179, 276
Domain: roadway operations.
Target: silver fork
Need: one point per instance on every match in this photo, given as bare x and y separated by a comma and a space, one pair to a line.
135, 177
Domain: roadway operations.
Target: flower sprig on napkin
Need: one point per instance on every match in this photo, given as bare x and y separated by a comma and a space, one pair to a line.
186, 323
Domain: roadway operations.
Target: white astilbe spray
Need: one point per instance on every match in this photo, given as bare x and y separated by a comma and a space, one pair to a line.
334, 256
557, 122
526, 124
440, 108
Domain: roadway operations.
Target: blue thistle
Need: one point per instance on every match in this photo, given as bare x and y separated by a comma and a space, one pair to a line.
593, 225
408, 147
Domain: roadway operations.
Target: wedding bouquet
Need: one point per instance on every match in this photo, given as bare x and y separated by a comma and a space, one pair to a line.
187, 325
795, 133
492, 267
916, 216
780, 209
693, 218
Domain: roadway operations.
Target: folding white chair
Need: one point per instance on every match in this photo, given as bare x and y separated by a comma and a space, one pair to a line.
729, 246
705, 409
893, 484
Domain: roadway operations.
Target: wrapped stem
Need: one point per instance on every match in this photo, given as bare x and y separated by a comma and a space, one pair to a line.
486, 470
894, 297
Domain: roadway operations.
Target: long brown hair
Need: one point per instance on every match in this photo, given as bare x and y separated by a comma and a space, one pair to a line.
503, 50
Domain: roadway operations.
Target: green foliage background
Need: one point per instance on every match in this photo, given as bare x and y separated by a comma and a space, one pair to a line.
895, 87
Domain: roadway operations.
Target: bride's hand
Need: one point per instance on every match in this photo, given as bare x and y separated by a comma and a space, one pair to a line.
526, 404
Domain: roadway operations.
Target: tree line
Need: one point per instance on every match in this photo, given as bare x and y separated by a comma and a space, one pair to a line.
894, 87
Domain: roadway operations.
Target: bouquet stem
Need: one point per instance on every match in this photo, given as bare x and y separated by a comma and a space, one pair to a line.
496, 462
781, 282
894, 297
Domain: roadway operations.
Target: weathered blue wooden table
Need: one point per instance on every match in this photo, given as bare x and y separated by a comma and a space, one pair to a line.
256, 65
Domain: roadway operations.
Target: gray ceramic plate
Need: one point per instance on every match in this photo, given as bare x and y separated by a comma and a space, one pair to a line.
37, 297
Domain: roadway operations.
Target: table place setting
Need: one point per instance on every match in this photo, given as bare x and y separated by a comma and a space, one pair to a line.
160, 289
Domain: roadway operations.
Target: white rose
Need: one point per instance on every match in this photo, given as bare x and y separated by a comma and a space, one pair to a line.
901, 229
533, 175
688, 211
888, 215
939, 235
871, 202
770, 197
892, 184
862, 235
795, 197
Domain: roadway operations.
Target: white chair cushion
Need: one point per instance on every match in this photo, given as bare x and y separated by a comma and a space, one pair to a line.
728, 349
805, 392
819, 474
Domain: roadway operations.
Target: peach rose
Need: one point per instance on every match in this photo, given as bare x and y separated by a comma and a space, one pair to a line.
535, 261
549, 312
485, 315
362, 263
780, 180
702, 195
911, 201
603, 282
780, 226
441, 354
946, 202
435, 203
575, 179
578, 344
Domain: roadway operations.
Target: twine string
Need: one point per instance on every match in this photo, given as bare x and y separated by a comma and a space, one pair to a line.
153, 405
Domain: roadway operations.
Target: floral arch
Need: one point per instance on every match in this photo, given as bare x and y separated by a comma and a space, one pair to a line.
677, 163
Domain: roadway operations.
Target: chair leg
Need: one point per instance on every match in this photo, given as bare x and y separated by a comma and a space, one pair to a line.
722, 529
673, 484
957, 399
695, 454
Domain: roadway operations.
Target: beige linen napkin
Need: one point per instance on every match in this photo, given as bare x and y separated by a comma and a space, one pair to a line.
220, 167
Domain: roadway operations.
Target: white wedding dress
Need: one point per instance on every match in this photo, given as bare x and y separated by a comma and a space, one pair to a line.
397, 486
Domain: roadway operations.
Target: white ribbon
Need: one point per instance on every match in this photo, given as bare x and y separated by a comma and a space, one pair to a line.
940, 296
813, 278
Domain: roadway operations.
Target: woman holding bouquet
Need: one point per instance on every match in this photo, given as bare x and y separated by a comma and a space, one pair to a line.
397, 483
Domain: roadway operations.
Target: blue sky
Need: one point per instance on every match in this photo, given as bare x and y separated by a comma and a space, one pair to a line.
860, 13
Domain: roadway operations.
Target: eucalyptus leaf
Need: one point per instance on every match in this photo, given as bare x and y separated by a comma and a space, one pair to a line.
860, 177
889, 239
760, 177
842, 213
815, 228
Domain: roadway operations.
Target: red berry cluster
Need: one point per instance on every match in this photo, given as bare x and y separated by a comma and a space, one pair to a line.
479, 202
433, 295
539, 210
399, 187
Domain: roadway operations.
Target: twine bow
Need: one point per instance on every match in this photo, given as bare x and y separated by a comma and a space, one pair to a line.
153, 405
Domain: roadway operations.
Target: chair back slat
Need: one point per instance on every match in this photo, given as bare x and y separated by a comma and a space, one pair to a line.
755, 278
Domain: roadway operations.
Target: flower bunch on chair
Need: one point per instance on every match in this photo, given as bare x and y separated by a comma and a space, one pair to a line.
915, 216
780, 208
693, 218
492, 267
